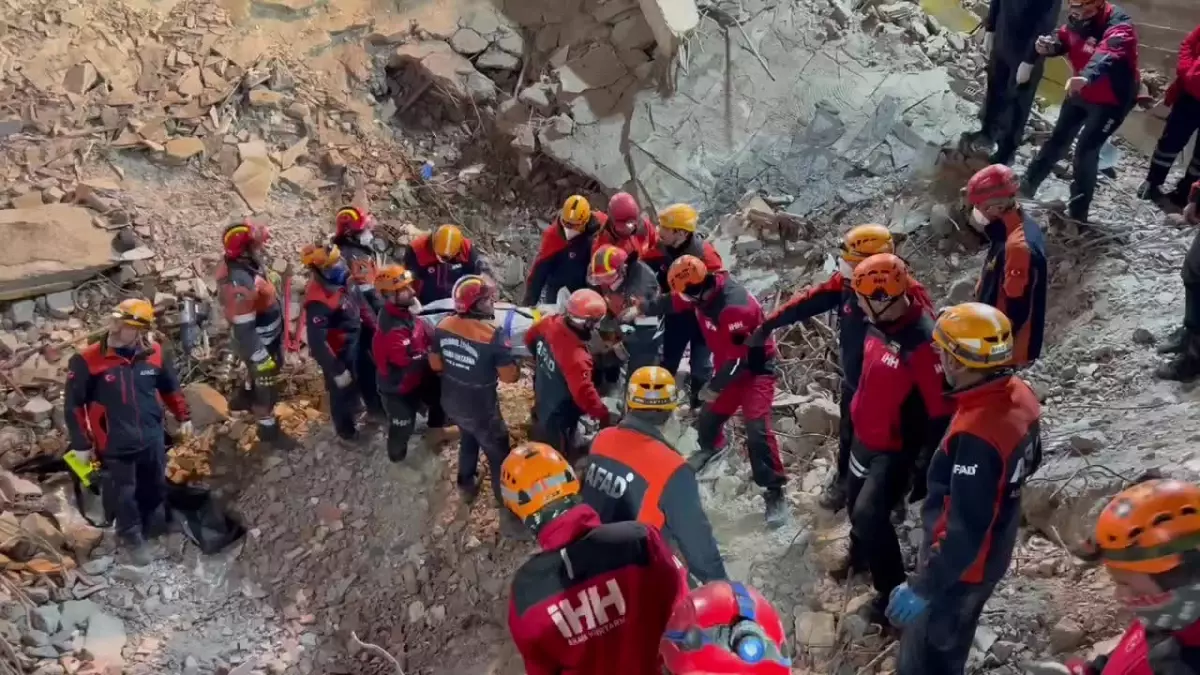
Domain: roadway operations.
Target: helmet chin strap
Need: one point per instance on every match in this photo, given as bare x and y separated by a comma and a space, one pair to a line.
876, 317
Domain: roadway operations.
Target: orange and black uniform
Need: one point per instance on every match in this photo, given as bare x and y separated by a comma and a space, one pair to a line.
596, 599
250, 303
1014, 280
971, 518
562, 383
473, 356
634, 474
561, 262
681, 331
406, 382
333, 329
643, 241
361, 263
435, 277
114, 406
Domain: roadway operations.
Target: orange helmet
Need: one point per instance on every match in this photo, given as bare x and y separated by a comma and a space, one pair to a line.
608, 264
351, 220
320, 256
883, 276
447, 241
393, 279
992, 184
586, 306
533, 477
1149, 527
686, 273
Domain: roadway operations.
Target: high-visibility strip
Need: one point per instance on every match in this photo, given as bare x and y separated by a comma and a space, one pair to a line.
245, 318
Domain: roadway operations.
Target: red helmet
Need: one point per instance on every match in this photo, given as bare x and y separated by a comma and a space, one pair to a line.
241, 237
608, 264
725, 628
624, 211
586, 306
469, 290
351, 220
990, 184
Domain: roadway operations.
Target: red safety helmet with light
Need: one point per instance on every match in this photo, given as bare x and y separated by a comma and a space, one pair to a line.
607, 267
352, 220
623, 213
992, 185
469, 291
586, 308
725, 628
242, 238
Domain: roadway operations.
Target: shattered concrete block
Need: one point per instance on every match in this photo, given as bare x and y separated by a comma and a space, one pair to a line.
819, 416
207, 405
605, 11
512, 42
80, 78
468, 42
40, 526
37, 410
18, 490
447, 68
632, 32
265, 98
538, 96
61, 304
1066, 635
598, 67
253, 181
524, 140
815, 633
897, 12
29, 200
497, 59
105, 640
670, 21
22, 312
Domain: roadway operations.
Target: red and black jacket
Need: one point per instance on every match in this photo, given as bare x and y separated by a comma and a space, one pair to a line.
694, 245
975, 478
561, 262
899, 405
1147, 652
1015, 280
727, 319
643, 241
836, 294
114, 404
1187, 71
563, 378
401, 350
435, 279
333, 325
361, 262
596, 599
1104, 51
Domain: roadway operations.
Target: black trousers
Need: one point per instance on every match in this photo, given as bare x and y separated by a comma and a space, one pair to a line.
556, 428
402, 409
877, 483
344, 402
1191, 287
365, 372
1093, 124
1007, 105
845, 435
1182, 124
681, 330
134, 489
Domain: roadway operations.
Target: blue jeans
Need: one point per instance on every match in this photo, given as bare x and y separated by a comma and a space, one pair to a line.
939, 641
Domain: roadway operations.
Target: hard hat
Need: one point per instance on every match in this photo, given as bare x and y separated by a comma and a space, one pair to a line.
241, 237
975, 334
576, 212
725, 628
686, 272
608, 263
651, 388
882, 276
393, 279
991, 184
447, 241
320, 256
586, 306
623, 208
135, 312
678, 217
1149, 527
351, 220
864, 241
533, 477
469, 291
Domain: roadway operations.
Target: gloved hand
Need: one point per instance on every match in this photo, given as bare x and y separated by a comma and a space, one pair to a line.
343, 379
904, 605
1024, 72
708, 394
186, 429
1075, 84
628, 315
85, 456
758, 338
1046, 668
1046, 45
989, 39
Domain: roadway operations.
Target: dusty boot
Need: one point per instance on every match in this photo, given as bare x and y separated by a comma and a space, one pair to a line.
776, 512
139, 554
850, 565
1173, 343
1150, 192
700, 458
511, 527
1185, 367
274, 438
875, 611
241, 400
833, 497
397, 447
469, 490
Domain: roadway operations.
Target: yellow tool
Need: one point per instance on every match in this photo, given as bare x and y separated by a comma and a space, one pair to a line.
82, 469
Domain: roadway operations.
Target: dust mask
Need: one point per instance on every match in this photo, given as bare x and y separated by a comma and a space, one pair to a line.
570, 234
846, 268
978, 219
366, 237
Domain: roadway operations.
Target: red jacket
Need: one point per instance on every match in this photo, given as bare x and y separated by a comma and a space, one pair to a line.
561, 262
727, 319
1147, 652
401, 350
1105, 51
564, 370
596, 599
1187, 72
643, 241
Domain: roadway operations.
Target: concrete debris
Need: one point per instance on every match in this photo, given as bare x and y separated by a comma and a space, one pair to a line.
467, 42
497, 59
539, 97
815, 634
1088, 441
819, 416
449, 70
49, 248
596, 68
105, 640
1065, 636
253, 181
632, 32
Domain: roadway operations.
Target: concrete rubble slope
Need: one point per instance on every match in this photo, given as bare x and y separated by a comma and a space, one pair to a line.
49, 248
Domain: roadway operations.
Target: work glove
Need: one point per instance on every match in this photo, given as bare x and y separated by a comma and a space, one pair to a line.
84, 456
1024, 72
758, 338
186, 429
266, 372
904, 605
628, 315
989, 38
708, 394
343, 379
1046, 45
1076, 84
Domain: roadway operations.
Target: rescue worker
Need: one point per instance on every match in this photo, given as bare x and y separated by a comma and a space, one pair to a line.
681, 331
630, 290
725, 628
115, 393
353, 236
439, 260
1183, 97
1014, 279
250, 301
473, 356
628, 229
563, 389
1146, 539
1013, 71
401, 348
836, 295
899, 414
728, 316
333, 326
633, 473
596, 598
973, 511
1101, 44
566, 249
1184, 343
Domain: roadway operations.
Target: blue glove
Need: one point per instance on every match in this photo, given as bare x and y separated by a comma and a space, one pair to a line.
904, 605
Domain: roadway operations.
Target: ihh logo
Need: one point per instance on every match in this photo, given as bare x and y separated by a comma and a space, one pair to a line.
595, 615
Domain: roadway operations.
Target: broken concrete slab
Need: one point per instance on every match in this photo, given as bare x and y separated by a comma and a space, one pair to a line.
605, 11
180, 150
671, 21
61, 304
632, 32
590, 150
596, 68
497, 59
468, 42
538, 96
50, 248
448, 69
105, 640
253, 181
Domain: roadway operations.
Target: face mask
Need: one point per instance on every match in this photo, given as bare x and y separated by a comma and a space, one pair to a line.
337, 274
366, 237
846, 268
978, 219
570, 234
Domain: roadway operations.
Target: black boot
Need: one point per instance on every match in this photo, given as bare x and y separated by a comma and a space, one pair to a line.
468, 489
776, 511
274, 438
695, 386
1150, 192
1179, 196
397, 446
1185, 367
700, 458
241, 400
833, 497
1174, 343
